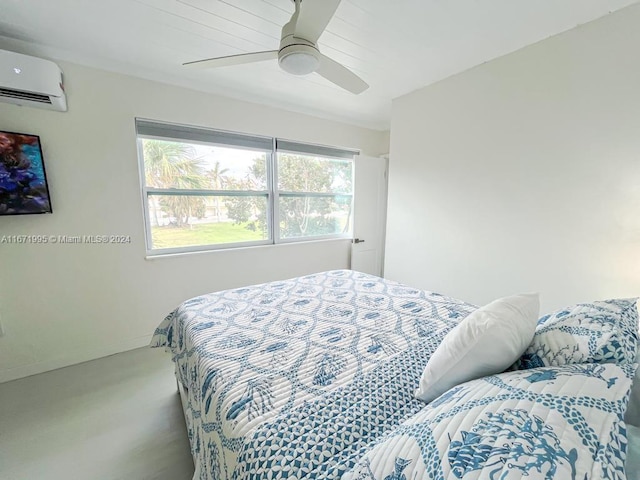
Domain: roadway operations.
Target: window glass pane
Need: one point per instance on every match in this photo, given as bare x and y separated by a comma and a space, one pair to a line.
306, 173
314, 216
190, 220
170, 164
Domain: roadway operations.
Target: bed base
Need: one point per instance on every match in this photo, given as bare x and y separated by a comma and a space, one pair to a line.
183, 392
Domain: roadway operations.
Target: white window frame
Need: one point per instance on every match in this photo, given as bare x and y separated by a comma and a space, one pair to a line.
151, 129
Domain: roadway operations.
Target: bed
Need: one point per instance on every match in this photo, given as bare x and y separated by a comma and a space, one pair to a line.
311, 377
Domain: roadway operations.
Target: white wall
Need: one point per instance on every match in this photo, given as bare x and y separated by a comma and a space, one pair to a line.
62, 304
523, 174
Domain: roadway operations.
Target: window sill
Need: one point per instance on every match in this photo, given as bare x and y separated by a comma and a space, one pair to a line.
218, 251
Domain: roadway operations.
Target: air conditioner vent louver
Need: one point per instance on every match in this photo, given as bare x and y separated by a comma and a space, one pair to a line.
20, 95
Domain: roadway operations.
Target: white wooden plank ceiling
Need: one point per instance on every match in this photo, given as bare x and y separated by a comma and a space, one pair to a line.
396, 46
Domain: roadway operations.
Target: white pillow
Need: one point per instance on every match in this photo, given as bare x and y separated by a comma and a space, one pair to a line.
485, 343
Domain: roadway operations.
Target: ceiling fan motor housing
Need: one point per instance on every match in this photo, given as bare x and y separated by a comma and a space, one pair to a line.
298, 57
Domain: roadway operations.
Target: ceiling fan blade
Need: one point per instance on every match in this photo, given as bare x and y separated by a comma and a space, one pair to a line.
314, 17
341, 75
234, 59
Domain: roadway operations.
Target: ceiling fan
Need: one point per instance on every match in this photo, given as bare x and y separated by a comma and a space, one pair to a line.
298, 53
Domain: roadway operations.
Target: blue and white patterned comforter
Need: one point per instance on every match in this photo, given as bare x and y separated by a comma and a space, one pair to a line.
551, 423
289, 379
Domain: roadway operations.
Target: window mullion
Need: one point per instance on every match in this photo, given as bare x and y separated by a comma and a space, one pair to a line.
274, 203
206, 193
314, 194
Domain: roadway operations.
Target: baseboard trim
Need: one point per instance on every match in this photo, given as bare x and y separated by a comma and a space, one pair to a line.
79, 356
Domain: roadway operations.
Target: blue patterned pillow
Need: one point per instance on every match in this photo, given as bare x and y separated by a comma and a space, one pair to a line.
543, 424
598, 332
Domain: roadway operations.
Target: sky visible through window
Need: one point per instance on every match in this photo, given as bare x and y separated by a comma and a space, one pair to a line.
235, 163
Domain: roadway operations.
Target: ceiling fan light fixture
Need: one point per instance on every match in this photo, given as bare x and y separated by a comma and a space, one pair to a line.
299, 59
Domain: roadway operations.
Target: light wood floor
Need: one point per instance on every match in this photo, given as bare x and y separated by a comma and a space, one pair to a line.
114, 418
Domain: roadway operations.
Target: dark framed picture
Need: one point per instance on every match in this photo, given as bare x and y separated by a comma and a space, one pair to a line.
23, 181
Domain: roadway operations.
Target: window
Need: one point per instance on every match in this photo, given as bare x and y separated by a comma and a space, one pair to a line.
206, 189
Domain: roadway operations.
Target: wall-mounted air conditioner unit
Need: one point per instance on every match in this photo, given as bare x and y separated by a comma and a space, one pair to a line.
31, 82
